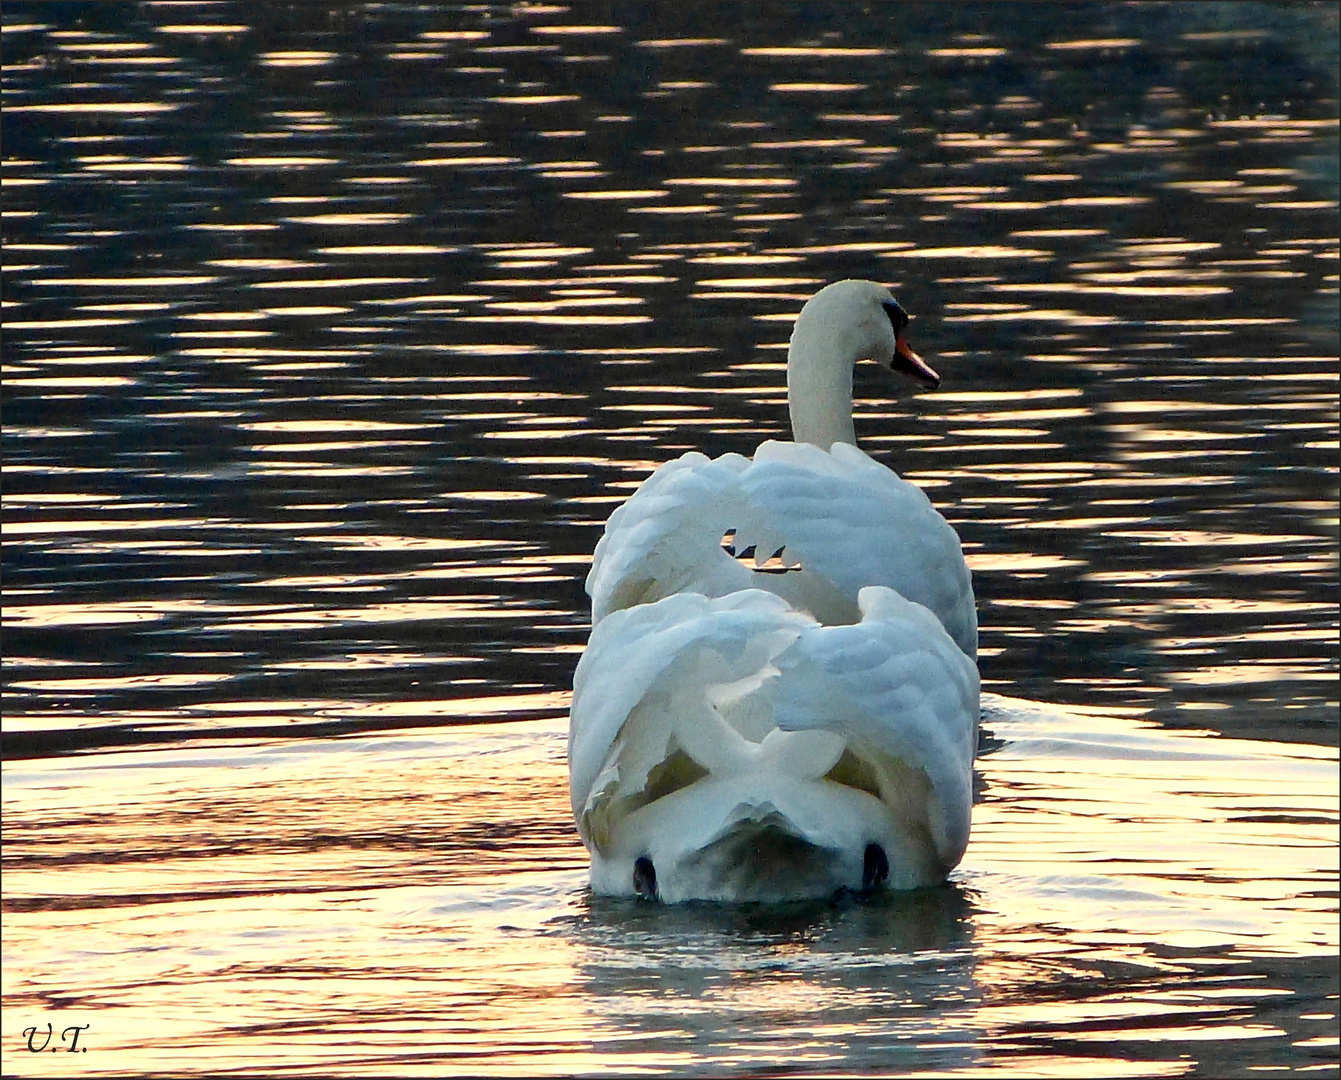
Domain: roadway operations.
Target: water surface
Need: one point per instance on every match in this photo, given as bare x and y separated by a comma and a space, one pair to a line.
409, 905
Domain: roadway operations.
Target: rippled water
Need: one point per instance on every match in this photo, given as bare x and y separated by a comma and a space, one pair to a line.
416, 905
333, 334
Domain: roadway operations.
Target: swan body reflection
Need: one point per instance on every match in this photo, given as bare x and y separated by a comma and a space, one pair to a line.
804, 724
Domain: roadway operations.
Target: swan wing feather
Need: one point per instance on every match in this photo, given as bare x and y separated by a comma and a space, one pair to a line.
856, 523
679, 648
666, 538
896, 685
844, 519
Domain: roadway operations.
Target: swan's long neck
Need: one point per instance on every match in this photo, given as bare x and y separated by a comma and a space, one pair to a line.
819, 384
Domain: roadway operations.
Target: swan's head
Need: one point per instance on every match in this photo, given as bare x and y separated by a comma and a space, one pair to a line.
865, 322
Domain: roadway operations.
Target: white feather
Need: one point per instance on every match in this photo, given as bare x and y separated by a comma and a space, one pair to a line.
846, 520
870, 735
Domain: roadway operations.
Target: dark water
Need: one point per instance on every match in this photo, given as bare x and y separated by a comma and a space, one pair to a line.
331, 336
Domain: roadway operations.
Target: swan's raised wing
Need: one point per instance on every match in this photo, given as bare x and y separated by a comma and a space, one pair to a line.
647, 677
906, 701
841, 521
666, 538
853, 522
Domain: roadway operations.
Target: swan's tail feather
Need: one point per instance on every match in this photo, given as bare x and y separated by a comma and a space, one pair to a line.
733, 749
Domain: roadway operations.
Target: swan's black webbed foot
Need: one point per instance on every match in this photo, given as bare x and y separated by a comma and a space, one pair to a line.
645, 878
875, 867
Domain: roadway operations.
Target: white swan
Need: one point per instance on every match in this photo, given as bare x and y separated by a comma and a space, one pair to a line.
742, 735
837, 520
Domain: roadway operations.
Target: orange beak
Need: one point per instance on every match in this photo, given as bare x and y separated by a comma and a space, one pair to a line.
909, 363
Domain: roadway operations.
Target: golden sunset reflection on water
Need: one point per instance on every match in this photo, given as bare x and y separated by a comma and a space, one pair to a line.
436, 881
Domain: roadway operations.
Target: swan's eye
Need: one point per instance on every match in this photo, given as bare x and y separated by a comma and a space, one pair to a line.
898, 318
